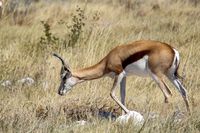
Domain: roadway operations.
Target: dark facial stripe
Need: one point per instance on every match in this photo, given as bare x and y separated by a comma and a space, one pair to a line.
133, 58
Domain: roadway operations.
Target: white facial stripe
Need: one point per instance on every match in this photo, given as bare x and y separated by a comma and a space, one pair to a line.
67, 87
71, 81
63, 74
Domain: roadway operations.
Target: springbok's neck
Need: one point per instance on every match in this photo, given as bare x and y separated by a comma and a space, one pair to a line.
93, 72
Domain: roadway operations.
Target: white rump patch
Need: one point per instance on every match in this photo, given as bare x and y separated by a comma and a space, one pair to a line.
1, 3
174, 65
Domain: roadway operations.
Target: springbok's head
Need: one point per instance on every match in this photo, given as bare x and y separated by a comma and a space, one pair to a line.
67, 79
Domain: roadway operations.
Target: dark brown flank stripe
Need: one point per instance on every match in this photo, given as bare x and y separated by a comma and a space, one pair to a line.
133, 58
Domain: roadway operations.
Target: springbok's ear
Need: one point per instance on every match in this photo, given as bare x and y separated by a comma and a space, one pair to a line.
65, 65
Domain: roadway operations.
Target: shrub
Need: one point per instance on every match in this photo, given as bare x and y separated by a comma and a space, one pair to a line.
76, 27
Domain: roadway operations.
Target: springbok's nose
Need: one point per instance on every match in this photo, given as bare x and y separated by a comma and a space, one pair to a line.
60, 93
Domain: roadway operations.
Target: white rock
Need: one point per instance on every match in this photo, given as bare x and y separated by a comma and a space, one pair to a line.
29, 81
178, 116
132, 116
6, 83
81, 123
153, 115
45, 85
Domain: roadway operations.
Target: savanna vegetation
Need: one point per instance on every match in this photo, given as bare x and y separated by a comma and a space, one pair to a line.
83, 32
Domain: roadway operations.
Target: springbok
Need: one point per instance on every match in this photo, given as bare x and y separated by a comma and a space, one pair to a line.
142, 58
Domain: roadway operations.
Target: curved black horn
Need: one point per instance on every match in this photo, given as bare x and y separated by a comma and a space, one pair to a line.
63, 62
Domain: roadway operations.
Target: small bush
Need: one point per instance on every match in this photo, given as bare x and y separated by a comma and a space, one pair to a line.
51, 42
48, 40
76, 27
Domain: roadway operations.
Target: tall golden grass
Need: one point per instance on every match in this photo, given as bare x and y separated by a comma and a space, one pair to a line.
38, 108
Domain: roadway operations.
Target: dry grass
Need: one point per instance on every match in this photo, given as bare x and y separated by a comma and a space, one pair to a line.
38, 108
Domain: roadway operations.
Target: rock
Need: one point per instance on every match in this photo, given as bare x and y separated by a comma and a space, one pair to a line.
75, 124
153, 115
81, 123
45, 85
178, 116
132, 116
6, 83
28, 81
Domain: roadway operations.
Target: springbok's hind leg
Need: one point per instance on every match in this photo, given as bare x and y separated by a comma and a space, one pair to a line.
167, 88
159, 79
177, 83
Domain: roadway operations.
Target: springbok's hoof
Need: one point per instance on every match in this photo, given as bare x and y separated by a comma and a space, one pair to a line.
133, 116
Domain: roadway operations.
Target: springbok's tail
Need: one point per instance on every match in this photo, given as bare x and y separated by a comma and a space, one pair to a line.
177, 63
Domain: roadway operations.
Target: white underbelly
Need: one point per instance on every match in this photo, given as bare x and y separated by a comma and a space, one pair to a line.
138, 68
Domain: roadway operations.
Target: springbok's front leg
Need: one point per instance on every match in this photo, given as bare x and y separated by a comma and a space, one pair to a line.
117, 82
123, 92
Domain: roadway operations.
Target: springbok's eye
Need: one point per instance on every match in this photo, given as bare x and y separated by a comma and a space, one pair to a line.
64, 78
